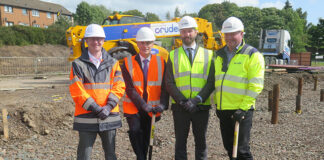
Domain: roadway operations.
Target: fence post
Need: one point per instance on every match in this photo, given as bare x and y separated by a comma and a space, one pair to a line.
322, 95
5, 124
276, 91
270, 100
315, 83
299, 96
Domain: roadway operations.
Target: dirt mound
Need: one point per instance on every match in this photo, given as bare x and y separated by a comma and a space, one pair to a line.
46, 50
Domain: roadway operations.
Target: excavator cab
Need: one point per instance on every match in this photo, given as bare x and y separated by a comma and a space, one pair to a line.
122, 19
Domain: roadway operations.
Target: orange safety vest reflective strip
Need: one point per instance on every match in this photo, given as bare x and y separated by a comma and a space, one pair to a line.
154, 82
84, 94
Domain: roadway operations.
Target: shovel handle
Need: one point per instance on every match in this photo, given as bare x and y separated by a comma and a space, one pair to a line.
235, 140
152, 136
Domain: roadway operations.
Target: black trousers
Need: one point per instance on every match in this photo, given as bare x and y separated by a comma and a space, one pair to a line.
227, 125
199, 121
87, 139
139, 134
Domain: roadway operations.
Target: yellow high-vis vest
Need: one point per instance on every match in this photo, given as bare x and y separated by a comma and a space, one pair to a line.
238, 86
191, 79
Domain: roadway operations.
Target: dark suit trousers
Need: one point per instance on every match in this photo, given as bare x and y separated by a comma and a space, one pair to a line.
139, 134
227, 125
199, 121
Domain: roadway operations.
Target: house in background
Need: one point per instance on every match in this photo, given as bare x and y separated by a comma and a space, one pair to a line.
34, 13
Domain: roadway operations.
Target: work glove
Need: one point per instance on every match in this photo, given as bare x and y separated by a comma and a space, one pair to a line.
105, 112
158, 109
94, 107
239, 115
147, 108
191, 104
182, 103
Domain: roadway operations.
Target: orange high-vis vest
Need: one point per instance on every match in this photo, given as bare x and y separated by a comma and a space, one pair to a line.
154, 82
84, 94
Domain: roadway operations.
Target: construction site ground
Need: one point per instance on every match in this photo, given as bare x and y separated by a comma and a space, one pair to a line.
41, 116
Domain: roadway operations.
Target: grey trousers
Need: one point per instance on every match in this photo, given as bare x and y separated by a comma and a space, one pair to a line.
182, 121
87, 139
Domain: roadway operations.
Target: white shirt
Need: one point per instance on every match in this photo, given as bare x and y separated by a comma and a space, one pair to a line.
142, 61
94, 60
193, 48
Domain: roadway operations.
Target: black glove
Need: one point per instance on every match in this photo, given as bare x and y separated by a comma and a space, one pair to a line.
105, 112
147, 108
159, 108
94, 107
239, 115
191, 104
182, 103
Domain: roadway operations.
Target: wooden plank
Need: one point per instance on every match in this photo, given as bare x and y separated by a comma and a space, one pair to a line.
5, 124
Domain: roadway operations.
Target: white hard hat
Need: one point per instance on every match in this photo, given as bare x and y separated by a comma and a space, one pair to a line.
187, 22
145, 34
94, 30
232, 24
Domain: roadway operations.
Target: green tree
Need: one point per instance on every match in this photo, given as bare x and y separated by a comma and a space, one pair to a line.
83, 15
177, 12
316, 33
168, 16
287, 5
134, 12
151, 17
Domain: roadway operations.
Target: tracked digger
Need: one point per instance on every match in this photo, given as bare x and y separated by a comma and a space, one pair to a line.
121, 30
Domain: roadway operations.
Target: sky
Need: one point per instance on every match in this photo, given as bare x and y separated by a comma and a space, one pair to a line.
314, 8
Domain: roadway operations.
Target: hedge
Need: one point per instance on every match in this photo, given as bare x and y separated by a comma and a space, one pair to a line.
24, 35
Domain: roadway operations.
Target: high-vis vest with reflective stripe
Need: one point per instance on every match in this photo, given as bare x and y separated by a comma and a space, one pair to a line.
154, 82
191, 79
89, 85
238, 87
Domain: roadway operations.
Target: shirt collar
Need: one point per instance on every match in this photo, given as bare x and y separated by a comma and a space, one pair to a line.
142, 58
93, 58
186, 47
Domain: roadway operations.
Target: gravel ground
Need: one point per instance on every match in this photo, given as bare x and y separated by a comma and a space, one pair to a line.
40, 122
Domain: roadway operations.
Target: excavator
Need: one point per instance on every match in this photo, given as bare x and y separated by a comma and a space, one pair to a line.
121, 32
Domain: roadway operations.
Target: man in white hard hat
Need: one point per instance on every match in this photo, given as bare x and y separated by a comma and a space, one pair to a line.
239, 75
190, 81
96, 87
145, 91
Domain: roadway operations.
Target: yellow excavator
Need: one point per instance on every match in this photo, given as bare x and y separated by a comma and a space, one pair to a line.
121, 31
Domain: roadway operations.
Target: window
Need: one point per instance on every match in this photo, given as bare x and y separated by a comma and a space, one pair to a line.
9, 23
23, 24
49, 15
36, 25
24, 11
8, 9
35, 13
45, 26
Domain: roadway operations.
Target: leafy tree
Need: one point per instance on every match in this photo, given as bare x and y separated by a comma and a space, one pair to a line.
151, 17
83, 15
177, 12
287, 5
316, 33
134, 12
168, 16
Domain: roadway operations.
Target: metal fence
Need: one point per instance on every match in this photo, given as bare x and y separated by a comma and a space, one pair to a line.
19, 66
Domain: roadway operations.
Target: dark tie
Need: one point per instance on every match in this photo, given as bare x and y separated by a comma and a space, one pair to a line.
190, 50
145, 69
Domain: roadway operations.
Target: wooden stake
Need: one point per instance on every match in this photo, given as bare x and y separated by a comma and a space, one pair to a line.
300, 86
270, 100
315, 83
276, 91
5, 124
298, 104
322, 95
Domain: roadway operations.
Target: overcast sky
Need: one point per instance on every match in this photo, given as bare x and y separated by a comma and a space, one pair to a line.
314, 8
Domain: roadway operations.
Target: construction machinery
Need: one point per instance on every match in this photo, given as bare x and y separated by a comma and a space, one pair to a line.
275, 46
121, 32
